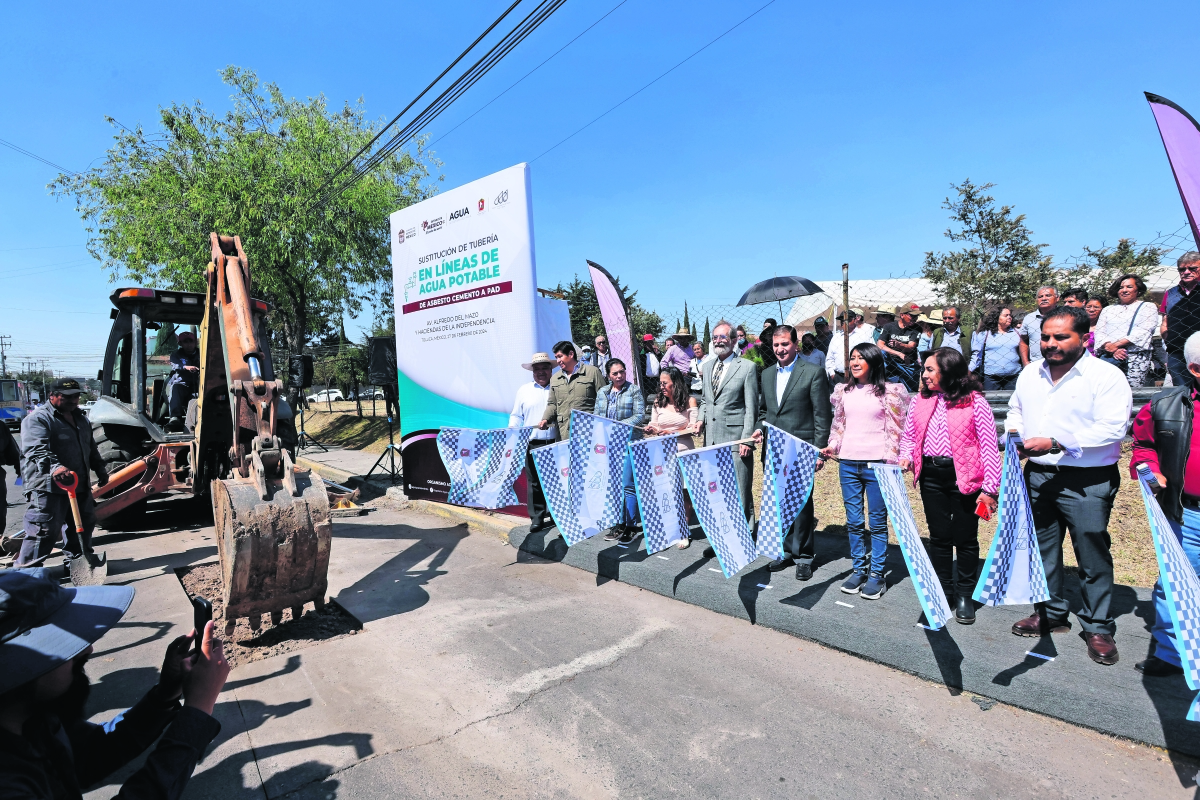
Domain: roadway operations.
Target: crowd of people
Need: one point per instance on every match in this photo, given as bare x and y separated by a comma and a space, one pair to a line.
910, 393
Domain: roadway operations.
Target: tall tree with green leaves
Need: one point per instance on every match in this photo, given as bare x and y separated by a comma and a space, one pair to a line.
586, 321
998, 261
1096, 269
254, 172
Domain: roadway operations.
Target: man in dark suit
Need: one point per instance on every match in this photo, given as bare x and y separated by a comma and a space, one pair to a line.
795, 398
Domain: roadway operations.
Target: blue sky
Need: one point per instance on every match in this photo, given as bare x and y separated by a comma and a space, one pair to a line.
814, 134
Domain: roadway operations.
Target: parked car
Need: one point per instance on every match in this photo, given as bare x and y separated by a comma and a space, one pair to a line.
326, 395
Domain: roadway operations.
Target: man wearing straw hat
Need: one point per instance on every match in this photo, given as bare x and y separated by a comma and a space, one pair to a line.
679, 355
528, 409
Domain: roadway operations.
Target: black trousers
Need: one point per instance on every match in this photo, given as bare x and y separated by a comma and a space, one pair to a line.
536, 500
801, 541
953, 526
1082, 500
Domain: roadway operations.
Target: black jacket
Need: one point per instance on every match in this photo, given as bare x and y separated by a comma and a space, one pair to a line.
49, 440
805, 412
53, 762
1171, 410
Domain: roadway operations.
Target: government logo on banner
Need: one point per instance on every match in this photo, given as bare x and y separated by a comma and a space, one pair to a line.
595, 489
1013, 573
1180, 586
920, 569
483, 465
787, 483
659, 492
711, 481
553, 465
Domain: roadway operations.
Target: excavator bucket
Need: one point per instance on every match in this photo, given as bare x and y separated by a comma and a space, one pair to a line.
274, 552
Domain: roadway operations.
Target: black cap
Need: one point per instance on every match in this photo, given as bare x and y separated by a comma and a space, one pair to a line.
65, 386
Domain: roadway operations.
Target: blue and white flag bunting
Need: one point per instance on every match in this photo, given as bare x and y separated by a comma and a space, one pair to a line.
711, 480
1180, 585
553, 465
920, 569
787, 483
1013, 573
483, 465
595, 489
659, 492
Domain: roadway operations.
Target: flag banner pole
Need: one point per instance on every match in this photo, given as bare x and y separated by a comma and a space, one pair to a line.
659, 487
1181, 139
788, 473
1013, 573
723, 446
615, 313
1180, 586
595, 490
711, 481
483, 464
920, 568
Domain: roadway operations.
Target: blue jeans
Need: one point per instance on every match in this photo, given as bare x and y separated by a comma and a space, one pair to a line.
1177, 366
1163, 631
858, 479
631, 507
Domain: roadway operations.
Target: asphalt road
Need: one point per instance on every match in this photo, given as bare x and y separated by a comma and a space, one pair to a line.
483, 672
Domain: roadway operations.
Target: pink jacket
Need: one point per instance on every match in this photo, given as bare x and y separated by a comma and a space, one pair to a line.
895, 404
973, 442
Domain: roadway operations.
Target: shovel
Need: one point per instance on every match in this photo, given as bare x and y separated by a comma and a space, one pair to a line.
88, 569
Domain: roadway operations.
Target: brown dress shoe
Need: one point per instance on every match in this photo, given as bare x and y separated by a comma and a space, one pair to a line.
1101, 648
1036, 625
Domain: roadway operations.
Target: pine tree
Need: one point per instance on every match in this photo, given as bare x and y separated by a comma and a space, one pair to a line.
707, 334
686, 324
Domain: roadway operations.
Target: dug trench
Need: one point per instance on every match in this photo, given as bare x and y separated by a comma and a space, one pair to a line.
290, 635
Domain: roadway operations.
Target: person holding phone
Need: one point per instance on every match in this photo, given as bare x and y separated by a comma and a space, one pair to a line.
950, 444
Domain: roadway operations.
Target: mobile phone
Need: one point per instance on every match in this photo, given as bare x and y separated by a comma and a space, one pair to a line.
982, 511
201, 615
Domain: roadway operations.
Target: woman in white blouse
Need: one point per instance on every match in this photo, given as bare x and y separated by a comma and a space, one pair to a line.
1125, 329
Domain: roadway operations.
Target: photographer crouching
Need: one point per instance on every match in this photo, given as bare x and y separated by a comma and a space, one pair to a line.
48, 749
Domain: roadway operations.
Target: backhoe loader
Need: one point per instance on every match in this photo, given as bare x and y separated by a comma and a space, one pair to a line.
271, 517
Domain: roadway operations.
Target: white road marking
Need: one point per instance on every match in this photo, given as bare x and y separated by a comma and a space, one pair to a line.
713, 569
533, 681
664, 558
764, 586
1039, 655
840, 603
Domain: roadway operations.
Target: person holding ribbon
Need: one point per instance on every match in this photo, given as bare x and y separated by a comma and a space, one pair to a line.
868, 418
1165, 439
950, 445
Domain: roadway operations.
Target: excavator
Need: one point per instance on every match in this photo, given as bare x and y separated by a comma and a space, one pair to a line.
237, 447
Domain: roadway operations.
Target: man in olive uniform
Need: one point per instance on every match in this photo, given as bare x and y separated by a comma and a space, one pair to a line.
576, 386
57, 438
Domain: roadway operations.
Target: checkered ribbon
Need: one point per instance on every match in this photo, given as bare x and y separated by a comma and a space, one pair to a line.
711, 480
483, 465
1180, 585
553, 465
659, 492
595, 490
787, 483
920, 569
1013, 573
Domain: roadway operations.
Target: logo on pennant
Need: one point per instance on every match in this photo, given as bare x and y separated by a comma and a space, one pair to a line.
508, 453
601, 448
566, 471
465, 453
712, 486
658, 470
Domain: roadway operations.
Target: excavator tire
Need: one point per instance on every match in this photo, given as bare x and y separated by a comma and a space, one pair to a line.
285, 429
119, 444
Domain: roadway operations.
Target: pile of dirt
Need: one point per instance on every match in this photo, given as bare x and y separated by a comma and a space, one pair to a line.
331, 622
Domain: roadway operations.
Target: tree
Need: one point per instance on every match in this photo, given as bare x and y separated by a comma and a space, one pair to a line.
256, 172
586, 321
1096, 270
1000, 262
686, 324
707, 334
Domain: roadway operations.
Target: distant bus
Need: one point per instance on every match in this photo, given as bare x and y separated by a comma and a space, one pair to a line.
14, 402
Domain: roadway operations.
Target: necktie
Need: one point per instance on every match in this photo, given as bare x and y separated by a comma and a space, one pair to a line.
716, 379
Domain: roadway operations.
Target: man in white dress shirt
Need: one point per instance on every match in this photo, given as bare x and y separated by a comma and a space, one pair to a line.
835, 359
1072, 411
527, 411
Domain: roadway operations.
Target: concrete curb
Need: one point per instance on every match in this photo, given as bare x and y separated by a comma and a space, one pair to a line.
476, 520
325, 471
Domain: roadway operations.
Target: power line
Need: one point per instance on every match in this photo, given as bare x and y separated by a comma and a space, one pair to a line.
656, 80
473, 74
35, 156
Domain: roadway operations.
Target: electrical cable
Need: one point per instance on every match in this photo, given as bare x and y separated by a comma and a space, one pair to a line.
656, 80
464, 82
35, 156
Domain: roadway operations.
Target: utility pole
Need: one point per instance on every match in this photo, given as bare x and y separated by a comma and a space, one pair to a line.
5, 343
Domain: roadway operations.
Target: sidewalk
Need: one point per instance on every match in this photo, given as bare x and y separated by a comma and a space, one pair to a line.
984, 658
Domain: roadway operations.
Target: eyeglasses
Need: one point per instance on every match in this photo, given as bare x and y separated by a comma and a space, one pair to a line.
720, 338
1189, 268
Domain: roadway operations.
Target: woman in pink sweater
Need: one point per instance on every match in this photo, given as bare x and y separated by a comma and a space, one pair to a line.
868, 417
950, 445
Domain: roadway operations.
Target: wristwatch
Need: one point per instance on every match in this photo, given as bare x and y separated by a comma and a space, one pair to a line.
1055, 447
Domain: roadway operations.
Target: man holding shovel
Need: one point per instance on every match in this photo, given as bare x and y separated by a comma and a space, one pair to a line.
59, 449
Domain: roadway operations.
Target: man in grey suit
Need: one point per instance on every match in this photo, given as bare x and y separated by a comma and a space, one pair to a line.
795, 398
730, 408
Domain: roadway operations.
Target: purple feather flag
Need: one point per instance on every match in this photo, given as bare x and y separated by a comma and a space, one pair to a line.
1181, 137
616, 320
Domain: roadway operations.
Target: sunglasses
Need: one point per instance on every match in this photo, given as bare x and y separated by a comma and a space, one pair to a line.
1190, 268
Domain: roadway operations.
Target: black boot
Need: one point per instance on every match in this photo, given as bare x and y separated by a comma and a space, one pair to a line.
964, 611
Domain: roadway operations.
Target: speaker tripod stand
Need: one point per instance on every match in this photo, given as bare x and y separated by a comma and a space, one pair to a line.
304, 439
389, 456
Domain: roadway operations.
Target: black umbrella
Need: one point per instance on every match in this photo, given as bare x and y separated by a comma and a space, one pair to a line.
776, 290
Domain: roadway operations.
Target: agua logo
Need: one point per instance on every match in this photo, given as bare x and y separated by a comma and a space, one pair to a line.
566, 471
658, 470
508, 453
457, 215
481, 204
601, 449
712, 486
465, 453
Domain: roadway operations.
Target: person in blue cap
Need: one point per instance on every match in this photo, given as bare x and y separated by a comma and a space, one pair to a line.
48, 749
